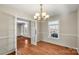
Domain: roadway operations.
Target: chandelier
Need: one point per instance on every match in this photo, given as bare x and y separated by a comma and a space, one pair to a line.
42, 15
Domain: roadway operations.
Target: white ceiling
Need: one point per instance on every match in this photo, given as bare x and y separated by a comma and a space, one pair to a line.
51, 9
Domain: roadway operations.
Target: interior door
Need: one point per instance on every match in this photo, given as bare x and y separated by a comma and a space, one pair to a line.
34, 32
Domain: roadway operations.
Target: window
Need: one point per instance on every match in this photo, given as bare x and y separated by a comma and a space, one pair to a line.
53, 27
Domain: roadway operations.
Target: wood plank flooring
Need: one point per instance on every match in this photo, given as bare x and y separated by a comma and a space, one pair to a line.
24, 47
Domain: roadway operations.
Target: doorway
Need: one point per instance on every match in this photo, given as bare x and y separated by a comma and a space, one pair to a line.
23, 32
26, 33
23, 27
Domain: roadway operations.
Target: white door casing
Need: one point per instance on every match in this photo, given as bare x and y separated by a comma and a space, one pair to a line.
34, 32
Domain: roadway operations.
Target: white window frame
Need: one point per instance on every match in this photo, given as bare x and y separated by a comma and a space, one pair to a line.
49, 31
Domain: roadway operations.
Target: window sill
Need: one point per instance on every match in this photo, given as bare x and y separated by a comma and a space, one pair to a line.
53, 38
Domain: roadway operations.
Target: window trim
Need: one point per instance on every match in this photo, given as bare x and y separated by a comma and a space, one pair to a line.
58, 30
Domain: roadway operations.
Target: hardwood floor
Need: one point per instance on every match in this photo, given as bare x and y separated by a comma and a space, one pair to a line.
24, 47
22, 42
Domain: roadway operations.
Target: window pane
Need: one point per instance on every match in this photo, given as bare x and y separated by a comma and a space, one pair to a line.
53, 29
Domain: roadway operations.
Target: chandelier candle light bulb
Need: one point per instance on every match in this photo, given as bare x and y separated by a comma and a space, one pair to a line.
37, 14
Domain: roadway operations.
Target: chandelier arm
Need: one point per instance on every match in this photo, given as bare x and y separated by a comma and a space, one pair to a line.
42, 15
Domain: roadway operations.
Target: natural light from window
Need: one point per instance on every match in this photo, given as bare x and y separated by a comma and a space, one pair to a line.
53, 27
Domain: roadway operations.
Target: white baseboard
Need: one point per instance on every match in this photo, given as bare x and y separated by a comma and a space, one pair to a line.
78, 50
8, 52
59, 44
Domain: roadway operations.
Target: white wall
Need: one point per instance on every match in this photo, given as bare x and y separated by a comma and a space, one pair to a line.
7, 24
18, 29
68, 30
78, 30
39, 31
12, 33
7, 41
27, 30
68, 24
